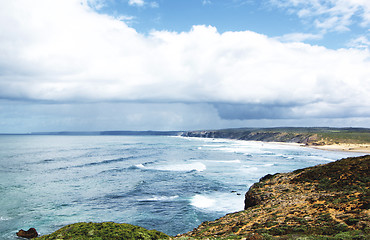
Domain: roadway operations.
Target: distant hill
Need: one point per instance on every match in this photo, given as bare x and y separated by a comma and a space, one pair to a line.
111, 133
308, 136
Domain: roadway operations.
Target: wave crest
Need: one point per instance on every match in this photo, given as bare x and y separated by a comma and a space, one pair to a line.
197, 166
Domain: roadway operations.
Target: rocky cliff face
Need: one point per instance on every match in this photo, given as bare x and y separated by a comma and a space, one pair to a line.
322, 200
308, 136
253, 135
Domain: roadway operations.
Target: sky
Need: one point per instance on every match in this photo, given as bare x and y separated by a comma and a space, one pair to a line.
99, 65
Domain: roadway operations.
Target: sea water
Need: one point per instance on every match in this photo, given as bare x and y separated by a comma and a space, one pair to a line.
171, 184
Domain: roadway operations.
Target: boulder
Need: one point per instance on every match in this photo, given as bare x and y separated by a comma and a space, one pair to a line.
31, 233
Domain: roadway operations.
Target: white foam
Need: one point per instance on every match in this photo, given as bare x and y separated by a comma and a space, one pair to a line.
220, 161
214, 145
140, 165
3, 219
242, 150
320, 158
219, 202
226, 161
249, 169
186, 167
198, 166
200, 201
160, 198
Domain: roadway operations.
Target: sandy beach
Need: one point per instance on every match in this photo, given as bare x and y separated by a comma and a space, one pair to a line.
362, 148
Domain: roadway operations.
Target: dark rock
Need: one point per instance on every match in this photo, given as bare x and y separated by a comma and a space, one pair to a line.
251, 199
266, 177
31, 233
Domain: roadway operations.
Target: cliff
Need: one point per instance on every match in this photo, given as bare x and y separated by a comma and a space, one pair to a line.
329, 200
308, 136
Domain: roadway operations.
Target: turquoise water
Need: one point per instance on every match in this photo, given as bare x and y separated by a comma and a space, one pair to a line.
171, 184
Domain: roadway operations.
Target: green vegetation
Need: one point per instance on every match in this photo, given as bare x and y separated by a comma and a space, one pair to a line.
104, 231
349, 235
348, 175
310, 135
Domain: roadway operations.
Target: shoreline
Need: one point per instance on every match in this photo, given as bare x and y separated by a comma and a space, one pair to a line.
355, 148
342, 147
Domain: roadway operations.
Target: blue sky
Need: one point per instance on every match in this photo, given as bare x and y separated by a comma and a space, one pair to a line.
70, 65
271, 18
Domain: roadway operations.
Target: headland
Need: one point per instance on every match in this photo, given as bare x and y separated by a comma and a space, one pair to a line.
335, 139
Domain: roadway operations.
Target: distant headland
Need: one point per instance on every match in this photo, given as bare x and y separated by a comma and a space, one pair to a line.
341, 139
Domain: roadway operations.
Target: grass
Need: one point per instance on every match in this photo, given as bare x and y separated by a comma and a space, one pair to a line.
104, 231
323, 135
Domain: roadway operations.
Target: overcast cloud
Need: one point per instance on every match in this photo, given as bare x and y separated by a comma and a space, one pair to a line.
63, 52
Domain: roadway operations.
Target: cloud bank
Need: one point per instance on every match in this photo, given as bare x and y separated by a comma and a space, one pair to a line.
62, 52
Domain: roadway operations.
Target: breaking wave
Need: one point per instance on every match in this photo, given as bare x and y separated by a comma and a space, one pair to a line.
187, 167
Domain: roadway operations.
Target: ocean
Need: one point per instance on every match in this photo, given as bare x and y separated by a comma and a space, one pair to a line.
171, 184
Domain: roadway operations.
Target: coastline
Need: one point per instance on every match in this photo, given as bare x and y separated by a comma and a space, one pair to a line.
355, 140
343, 147
356, 148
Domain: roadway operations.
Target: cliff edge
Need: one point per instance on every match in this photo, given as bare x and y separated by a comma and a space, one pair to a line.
326, 200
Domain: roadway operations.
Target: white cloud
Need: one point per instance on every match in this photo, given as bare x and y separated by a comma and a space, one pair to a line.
154, 5
138, 3
206, 2
299, 37
62, 51
96, 4
360, 42
330, 15
127, 19
142, 3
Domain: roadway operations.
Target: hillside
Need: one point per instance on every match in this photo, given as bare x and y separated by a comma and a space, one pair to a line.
323, 200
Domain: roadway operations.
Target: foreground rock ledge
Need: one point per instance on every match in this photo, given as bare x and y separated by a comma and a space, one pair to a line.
326, 200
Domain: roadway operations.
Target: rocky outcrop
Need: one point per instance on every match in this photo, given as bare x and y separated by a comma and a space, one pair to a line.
255, 197
30, 233
324, 200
